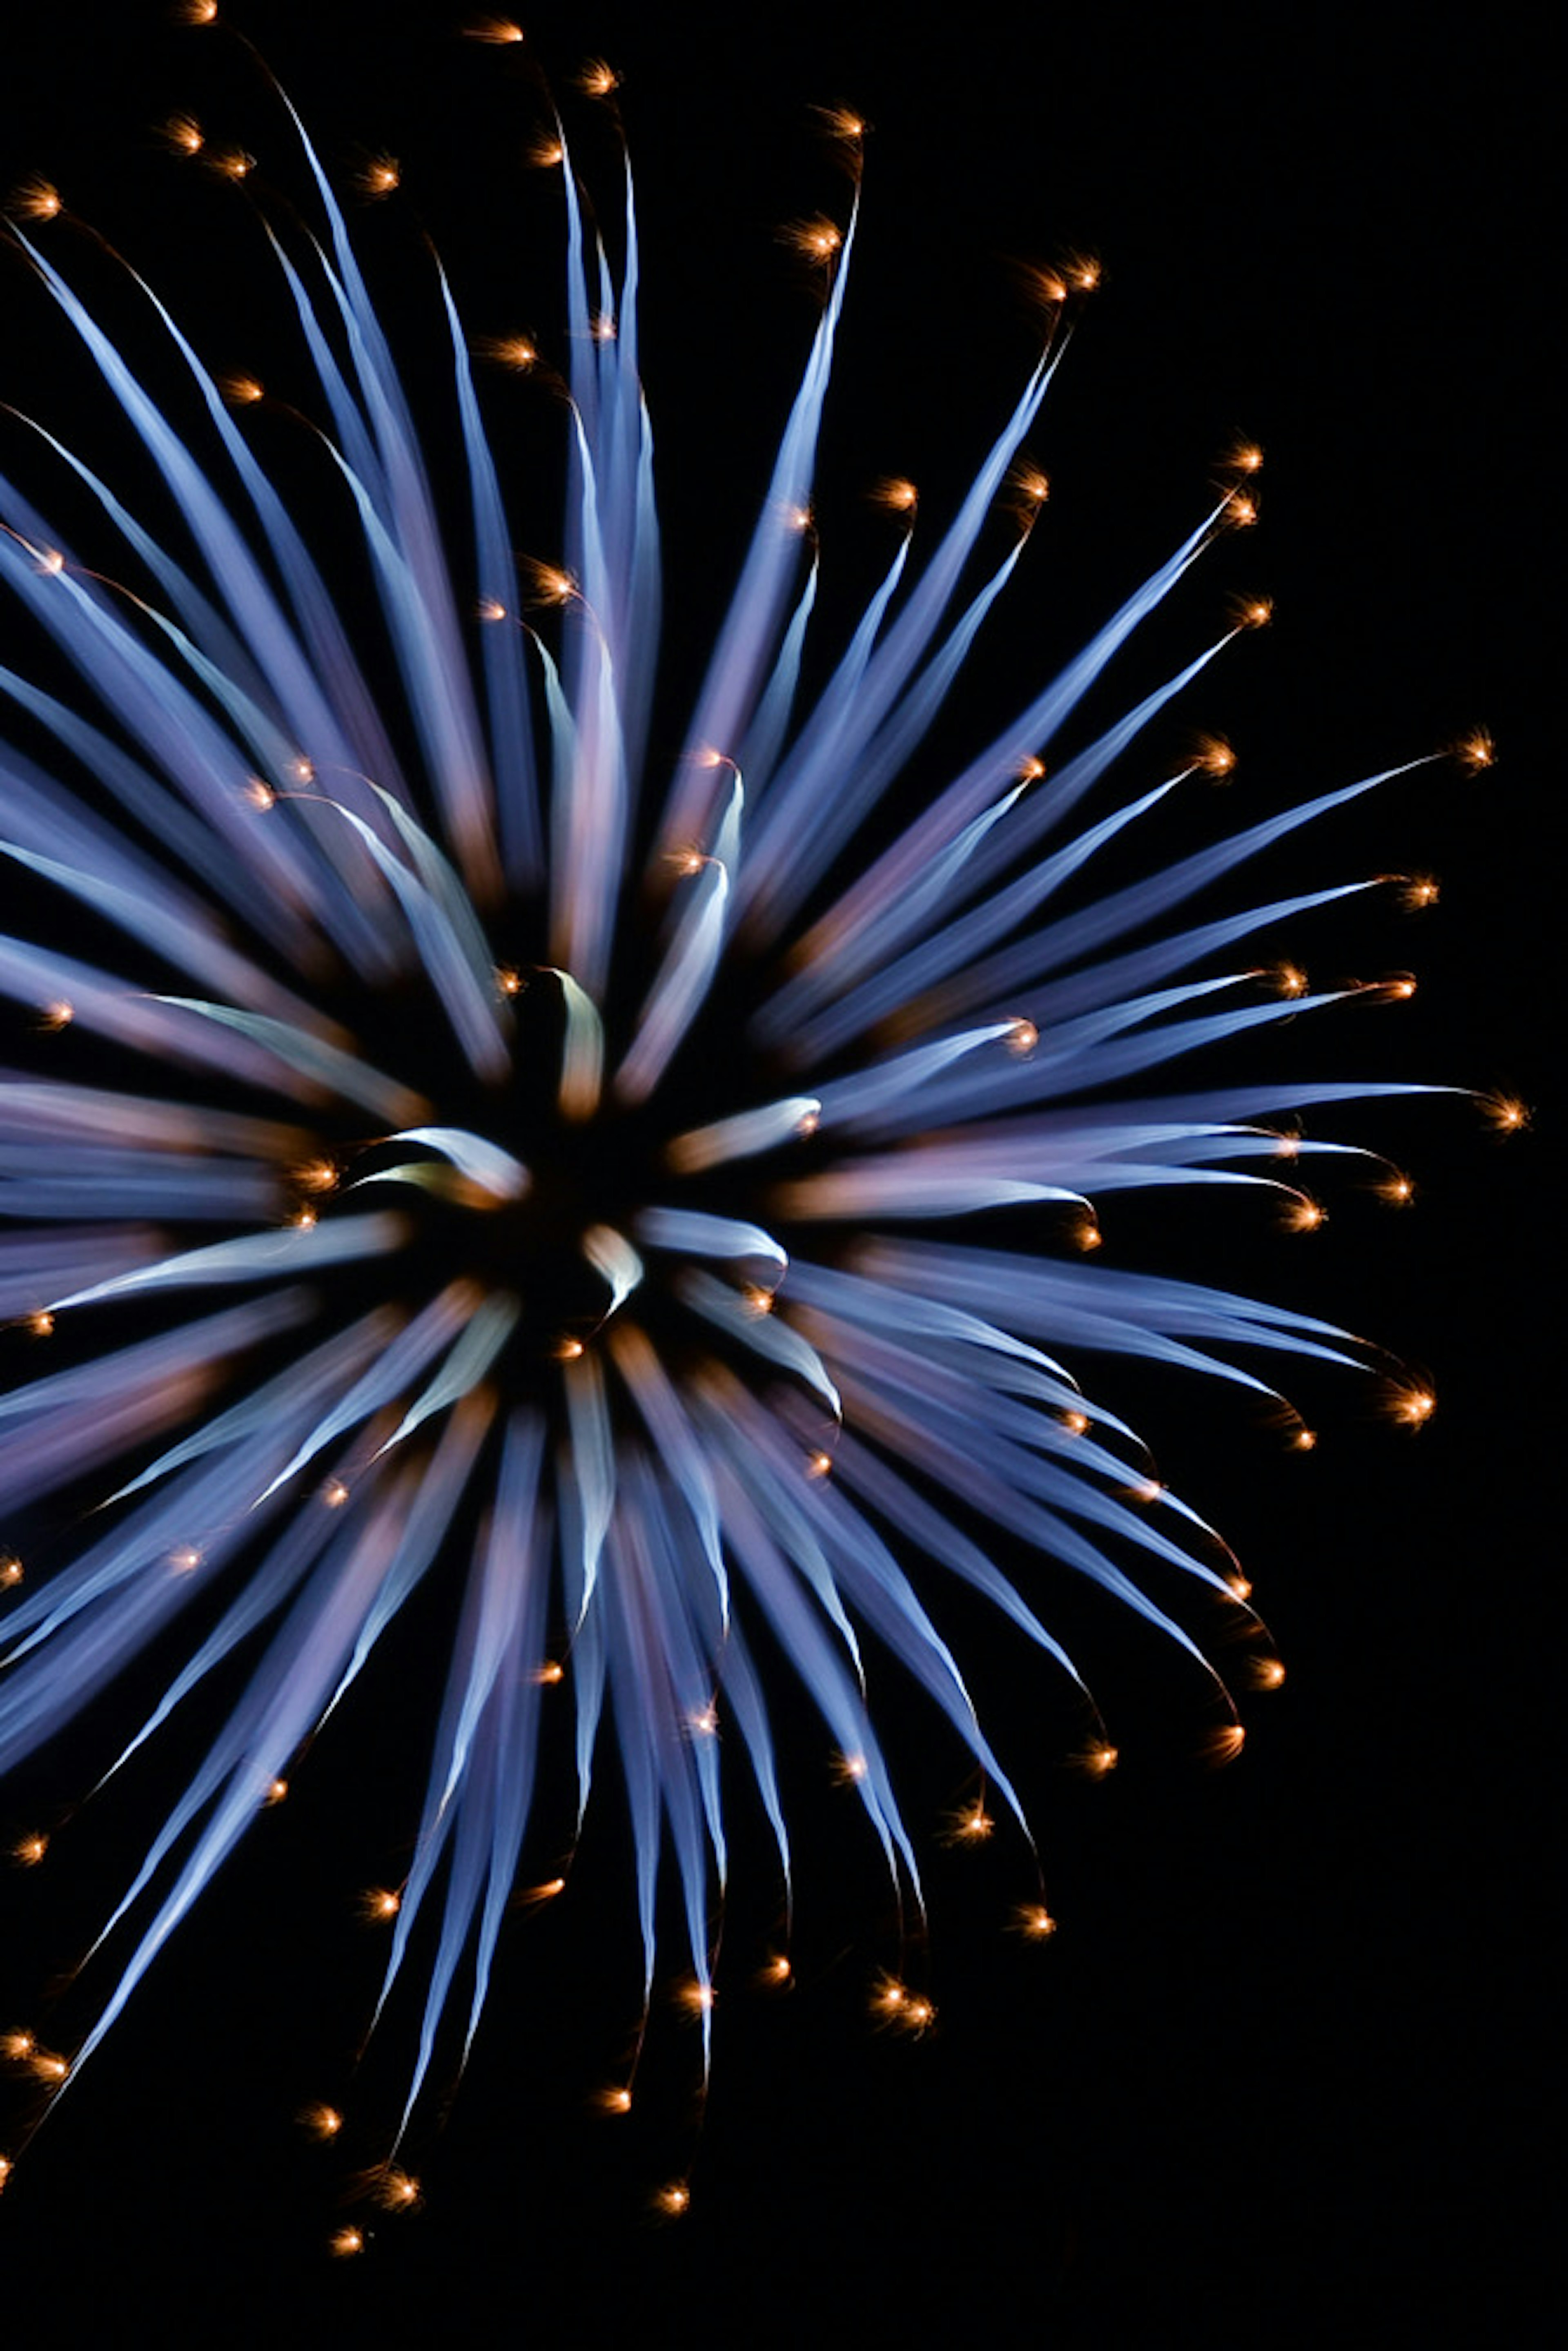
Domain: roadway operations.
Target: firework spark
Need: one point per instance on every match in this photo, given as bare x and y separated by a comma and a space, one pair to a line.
451, 1143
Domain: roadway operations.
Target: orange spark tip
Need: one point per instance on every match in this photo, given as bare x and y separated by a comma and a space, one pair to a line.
696, 1998
896, 2005
1100, 1759
58, 1015
322, 2122
807, 1122
1290, 980
1212, 756
534, 1897
1075, 1423
1305, 1440
549, 584
1088, 1236
183, 134
777, 1971
1268, 1674
1417, 890
1396, 1189
24, 2049
36, 200
896, 493
6, 2168
842, 123
848, 1768
1023, 1038
1241, 1586
1242, 457
1252, 611
334, 1493
196, 12
1240, 509
276, 1790
260, 794
242, 391
1508, 1116
378, 176
1029, 770
11, 1569
518, 352
378, 1903
498, 30
674, 2199
41, 1324
546, 154
818, 239
315, 1175
1033, 1919
819, 1465
28, 1851
398, 2192
1305, 1215
549, 1674
970, 1824
231, 163
346, 2241
1410, 1404
1031, 490
186, 1559
597, 78
1225, 1745
1475, 751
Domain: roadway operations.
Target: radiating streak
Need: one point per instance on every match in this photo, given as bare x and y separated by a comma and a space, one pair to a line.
255, 1257
295, 1391
751, 626
582, 1052
491, 1325
451, 1312
664, 1416
506, 677
33, 1109
65, 1424
484, 1164
615, 1261
687, 972
764, 1335
485, 1747
693, 1232
587, 1480
328, 1068
421, 616
745, 1135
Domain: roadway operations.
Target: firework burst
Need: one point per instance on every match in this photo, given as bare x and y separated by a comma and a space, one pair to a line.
652, 1193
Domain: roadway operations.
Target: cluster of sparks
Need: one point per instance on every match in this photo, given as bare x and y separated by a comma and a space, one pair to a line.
963, 1030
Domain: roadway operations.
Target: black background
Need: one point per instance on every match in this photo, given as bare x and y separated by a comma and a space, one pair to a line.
1279, 2070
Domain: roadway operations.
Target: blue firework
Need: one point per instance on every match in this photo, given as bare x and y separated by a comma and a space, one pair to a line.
652, 1194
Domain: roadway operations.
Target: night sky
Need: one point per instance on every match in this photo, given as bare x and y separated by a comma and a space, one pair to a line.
1276, 2072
